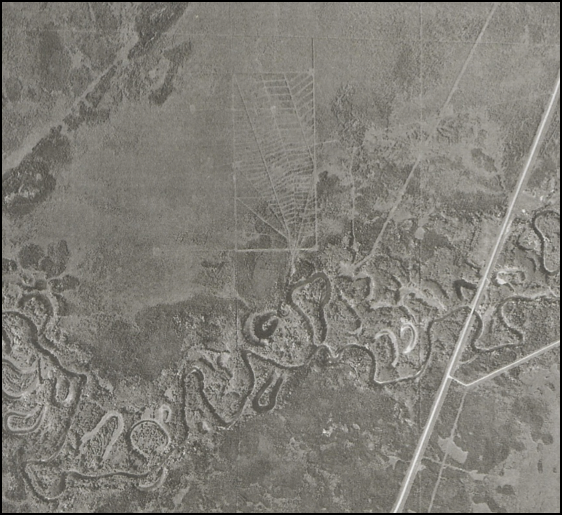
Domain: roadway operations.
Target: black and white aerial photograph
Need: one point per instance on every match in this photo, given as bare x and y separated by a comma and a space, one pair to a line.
280, 257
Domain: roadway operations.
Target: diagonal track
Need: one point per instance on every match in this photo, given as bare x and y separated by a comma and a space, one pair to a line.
513, 365
262, 219
428, 140
260, 195
461, 344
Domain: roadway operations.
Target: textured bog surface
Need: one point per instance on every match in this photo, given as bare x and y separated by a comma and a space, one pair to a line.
280, 257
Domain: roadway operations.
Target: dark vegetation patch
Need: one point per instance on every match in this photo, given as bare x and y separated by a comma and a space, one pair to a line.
155, 342
154, 19
32, 182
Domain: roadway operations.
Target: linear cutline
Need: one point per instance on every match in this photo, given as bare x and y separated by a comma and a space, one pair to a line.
428, 140
507, 368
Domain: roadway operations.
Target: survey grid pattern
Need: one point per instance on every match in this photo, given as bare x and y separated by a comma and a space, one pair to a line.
274, 156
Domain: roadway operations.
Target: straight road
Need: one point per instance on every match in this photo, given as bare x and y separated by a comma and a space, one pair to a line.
461, 344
